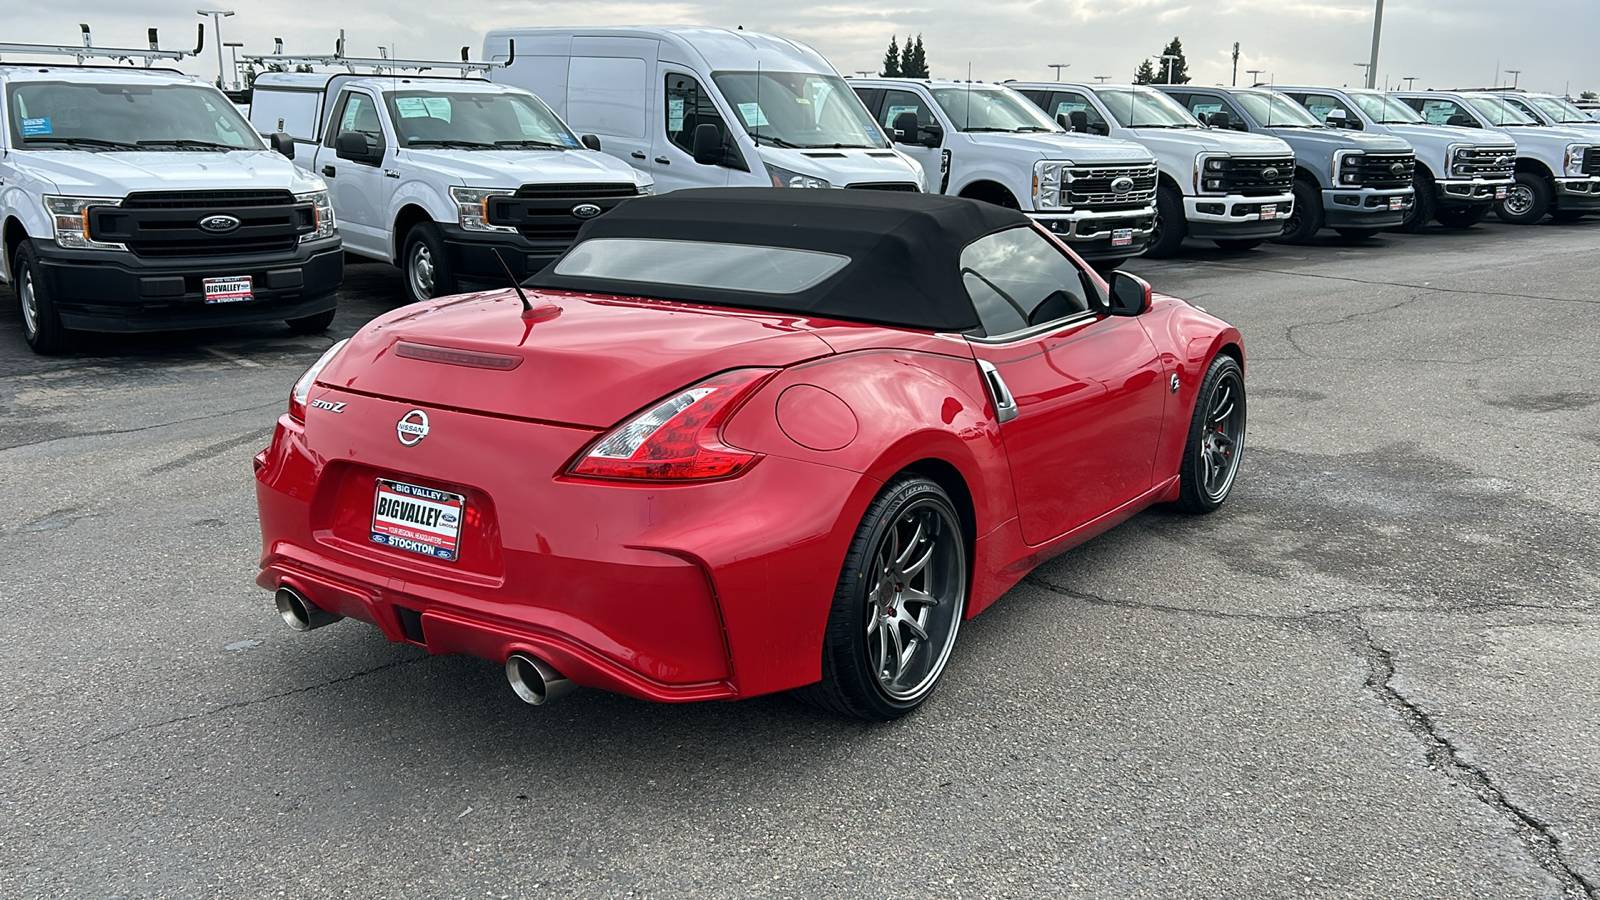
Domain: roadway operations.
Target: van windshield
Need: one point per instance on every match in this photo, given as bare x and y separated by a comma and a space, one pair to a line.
1140, 107
57, 115
1385, 110
798, 109
476, 120
974, 108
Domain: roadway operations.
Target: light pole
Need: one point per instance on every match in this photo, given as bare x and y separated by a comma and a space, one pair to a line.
1408, 79
1255, 76
1515, 77
233, 47
1170, 59
1058, 67
1367, 73
1377, 31
1102, 78
217, 15
1235, 63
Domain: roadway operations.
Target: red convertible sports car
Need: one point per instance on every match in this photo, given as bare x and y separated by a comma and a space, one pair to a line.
742, 441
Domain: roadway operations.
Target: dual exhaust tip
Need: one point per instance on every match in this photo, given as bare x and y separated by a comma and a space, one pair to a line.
534, 680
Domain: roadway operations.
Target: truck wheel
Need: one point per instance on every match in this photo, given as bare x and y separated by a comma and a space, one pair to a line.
312, 324
1306, 218
1170, 228
1462, 216
425, 265
41, 322
1527, 201
1424, 203
1238, 245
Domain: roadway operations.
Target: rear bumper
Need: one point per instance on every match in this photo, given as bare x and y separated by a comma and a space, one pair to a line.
472, 254
1094, 236
1365, 209
1236, 217
120, 292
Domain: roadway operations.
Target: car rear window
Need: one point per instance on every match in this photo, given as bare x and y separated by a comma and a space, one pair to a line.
701, 264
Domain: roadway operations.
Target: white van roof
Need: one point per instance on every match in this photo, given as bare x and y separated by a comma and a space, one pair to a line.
707, 49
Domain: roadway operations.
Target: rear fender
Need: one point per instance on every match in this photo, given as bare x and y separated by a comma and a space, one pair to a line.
1188, 339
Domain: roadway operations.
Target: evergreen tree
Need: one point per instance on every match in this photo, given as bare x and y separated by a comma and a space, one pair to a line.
1145, 74
1180, 66
915, 64
891, 59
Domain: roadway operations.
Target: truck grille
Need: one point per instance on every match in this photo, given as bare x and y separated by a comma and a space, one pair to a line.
1377, 170
1495, 163
1591, 161
543, 213
166, 224
1093, 187
1258, 176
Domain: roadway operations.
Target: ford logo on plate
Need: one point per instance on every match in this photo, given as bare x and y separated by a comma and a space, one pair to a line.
1269, 173
219, 224
1121, 185
586, 211
413, 427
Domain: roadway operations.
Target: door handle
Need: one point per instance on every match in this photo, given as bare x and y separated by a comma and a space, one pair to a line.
662, 160
328, 171
1005, 405
638, 154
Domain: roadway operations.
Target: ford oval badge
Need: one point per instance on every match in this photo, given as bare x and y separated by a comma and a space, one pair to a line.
1397, 168
586, 211
412, 427
1269, 173
219, 224
1121, 185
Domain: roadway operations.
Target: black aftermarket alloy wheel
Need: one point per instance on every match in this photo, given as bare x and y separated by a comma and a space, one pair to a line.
898, 605
1216, 438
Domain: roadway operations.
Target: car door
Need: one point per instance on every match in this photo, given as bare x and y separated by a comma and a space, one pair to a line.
686, 105
1090, 389
360, 189
895, 102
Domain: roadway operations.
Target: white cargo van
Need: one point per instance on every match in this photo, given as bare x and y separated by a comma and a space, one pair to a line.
706, 107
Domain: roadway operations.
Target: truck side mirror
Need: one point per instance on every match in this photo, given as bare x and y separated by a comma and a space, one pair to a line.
1460, 121
932, 136
355, 147
592, 141
905, 128
707, 145
1079, 120
1220, 119
282, 143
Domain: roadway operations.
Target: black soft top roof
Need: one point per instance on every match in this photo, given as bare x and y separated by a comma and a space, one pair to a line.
904, 249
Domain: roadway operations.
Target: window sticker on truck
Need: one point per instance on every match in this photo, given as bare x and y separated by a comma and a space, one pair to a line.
410, 107
674, 115
37, 127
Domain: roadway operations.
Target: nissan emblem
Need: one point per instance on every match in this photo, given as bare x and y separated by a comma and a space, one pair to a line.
586, 211
219, 224
412, 428
1121, 185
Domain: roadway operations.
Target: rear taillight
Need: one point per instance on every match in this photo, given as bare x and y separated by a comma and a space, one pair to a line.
297, 397
678, 439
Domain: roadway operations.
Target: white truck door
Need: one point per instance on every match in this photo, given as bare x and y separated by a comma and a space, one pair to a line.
611, 92
687, 104
361, 188
896, 102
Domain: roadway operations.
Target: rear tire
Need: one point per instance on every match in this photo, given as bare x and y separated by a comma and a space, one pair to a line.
1307, 217
312, 324
898, 606
1171, 227
1424, 202
1238, 245
1527, 202
1462, 216
1216, 438
41, 321
425, 265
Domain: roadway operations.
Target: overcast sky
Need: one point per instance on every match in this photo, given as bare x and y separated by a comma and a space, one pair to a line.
1444, 43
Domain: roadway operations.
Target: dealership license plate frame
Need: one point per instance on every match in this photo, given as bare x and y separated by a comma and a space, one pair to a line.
1500, 191
1396, 203
229, 289
1269, 211
439, 541
1122, 237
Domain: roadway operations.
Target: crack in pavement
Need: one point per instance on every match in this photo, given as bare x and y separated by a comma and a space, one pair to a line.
1442, 755
68, 437
1288, 332
1399, 284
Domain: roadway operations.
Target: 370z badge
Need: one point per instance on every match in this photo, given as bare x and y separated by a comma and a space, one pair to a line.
412, 427
328, 405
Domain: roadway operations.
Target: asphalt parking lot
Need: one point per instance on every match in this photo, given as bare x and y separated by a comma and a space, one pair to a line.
1374, 673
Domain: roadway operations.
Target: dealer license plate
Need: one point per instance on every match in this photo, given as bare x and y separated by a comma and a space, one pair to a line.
1500, 192
418, 519
233, 289
1396, 202
1269, 211
1121, 237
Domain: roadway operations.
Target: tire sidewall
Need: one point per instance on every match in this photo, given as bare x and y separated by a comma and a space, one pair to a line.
1539, 188
426, 233
1192, 495
48, 336
1307, 214
1172, 228
1423, 202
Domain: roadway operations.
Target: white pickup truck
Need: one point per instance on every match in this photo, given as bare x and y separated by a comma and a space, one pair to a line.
444, 177
1232, 188
986, 142
140, 200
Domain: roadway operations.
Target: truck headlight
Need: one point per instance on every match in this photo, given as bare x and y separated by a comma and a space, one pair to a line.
1453, 162
472, 207
1345, 162
322, 215
1574, 161
69, 216
1048, 177
1208, 173
786, 179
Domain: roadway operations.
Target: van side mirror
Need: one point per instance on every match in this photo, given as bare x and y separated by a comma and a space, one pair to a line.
905, 128
1220, 119
1079, 120
282, 143
1130, 294
707, 144
592, 141
356, 148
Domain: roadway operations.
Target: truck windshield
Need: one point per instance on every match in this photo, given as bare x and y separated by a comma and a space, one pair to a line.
1273, 110
1139, 107
1560, 110
1499, 112
974, 108
798, 109
476, 120
56, 115
1385, 110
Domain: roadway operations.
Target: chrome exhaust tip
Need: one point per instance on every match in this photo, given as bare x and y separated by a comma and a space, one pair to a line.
301, 614
535, 680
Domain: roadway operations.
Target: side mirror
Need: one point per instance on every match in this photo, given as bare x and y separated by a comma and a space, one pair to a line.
282, 143
1079, 120
356, 148
1460, 121
592, 141
1220, 119
905, 128
707, 144
932, 137
1130, 294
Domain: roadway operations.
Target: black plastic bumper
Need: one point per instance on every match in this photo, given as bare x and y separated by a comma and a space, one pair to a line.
472, 254
1344, 217
1237, 231
96, 290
